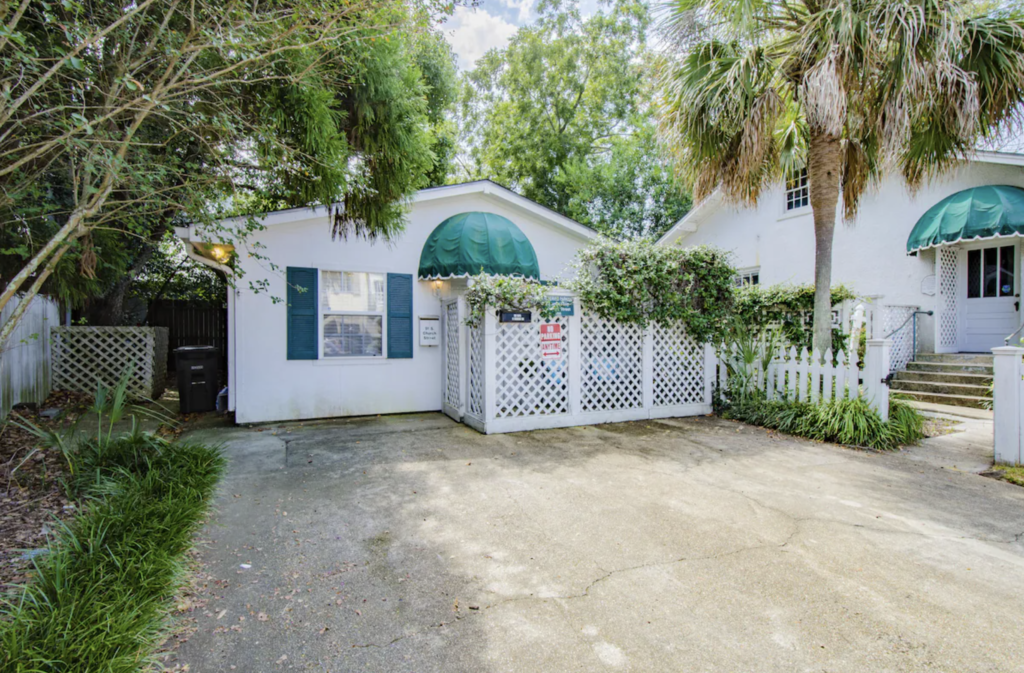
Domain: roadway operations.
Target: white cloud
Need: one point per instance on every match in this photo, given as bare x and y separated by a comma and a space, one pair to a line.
524, 7
473, 32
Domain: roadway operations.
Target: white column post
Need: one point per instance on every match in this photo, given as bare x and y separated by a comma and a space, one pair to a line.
490, 328
710, 366
647, 368
575, 359
1006, 405
463, 356
876, 372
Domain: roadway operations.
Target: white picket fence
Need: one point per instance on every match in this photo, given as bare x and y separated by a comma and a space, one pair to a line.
812, 377
499, 377
25, 361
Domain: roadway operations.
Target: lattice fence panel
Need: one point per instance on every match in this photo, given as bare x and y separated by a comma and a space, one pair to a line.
949, 333
452, 388
84, 355
476, 372
526, 384
611, 365
898, 326
678, 367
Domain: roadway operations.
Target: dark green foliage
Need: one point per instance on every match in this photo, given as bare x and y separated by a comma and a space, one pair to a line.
639, 282
842, 421
100, 597
790, 307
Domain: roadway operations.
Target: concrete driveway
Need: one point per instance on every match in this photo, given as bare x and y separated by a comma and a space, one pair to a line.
412, 543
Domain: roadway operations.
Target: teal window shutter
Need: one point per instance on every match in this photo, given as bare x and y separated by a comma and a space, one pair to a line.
399, 315
302, 320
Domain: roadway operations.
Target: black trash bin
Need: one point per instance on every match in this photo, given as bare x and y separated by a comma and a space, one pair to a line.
198, 378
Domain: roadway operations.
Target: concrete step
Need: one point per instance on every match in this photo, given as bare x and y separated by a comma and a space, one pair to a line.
956, 358
954, 400
945, 377
952, 368
958, 389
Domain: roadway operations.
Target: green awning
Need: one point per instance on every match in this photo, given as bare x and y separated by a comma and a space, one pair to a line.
468, 243
974, 214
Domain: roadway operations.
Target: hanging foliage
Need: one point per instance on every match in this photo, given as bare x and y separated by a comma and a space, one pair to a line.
639, 282
505, 293
788, 308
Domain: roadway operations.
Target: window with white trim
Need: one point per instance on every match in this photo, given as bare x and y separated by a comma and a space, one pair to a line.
798, 191
748, 277
352, 314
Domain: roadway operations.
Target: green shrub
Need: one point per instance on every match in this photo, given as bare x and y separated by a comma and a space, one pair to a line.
842, 421
101, 595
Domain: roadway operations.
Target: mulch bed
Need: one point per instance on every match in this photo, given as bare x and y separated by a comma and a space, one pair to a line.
32, 501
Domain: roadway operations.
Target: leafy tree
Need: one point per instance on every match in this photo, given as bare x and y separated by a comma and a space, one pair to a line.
126, 119
847, 89
561, 116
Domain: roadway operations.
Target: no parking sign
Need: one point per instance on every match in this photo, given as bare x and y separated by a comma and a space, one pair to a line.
551, 341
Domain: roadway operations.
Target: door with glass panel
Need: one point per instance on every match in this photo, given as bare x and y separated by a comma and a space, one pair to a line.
992, 307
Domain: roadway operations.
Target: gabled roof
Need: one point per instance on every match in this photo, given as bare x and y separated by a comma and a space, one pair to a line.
710, 205
487, 188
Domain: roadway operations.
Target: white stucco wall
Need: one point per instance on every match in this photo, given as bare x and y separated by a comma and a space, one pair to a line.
269, 387
869, 255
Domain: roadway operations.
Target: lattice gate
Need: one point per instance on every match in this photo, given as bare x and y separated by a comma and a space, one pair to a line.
612, 365
452, 332
898, 326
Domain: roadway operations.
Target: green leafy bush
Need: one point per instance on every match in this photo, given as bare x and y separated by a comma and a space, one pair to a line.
101, 595
788, 308
639, 282
842, 421
507, 293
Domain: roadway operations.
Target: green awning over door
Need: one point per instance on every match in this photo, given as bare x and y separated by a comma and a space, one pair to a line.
974, 214
468, 243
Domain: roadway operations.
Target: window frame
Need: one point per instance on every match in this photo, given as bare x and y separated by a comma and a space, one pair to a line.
322, 311
743, 277
786, 191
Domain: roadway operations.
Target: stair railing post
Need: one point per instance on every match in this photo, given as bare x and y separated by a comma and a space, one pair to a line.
1006, 405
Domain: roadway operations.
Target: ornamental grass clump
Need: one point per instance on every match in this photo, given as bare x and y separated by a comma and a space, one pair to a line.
101, 594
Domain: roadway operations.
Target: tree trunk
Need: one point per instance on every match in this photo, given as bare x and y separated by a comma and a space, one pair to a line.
108, 310
823, 163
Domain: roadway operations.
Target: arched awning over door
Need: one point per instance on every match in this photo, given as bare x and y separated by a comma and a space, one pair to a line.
976, 214
466, 244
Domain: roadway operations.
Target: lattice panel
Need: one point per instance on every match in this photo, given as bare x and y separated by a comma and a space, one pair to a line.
528, 385
678, 367
476, 372
84, 355
898, 326
949, 334
452, 386
611, 365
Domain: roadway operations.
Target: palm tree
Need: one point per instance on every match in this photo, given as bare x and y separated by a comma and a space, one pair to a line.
750, 90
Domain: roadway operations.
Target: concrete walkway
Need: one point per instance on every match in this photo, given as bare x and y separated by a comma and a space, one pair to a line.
415, 544
968, 448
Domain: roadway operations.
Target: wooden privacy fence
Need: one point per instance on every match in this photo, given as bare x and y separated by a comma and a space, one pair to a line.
191, 324
573, 369
84, 355
25, 361
812, 377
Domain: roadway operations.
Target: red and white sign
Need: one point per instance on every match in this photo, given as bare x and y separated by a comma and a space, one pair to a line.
551, 341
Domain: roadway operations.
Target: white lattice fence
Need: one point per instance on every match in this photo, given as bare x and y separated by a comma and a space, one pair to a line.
678, 368
84, 355
611, 370
476, 372
898, 326
949, 304
525, 383
453, 383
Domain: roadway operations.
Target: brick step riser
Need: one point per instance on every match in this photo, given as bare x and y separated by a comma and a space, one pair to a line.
941, 388
945, 377
952, 400
947, 368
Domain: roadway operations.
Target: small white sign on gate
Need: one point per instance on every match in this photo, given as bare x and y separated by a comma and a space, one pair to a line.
551, 341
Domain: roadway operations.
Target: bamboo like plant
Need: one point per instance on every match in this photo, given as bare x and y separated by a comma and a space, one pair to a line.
850, 89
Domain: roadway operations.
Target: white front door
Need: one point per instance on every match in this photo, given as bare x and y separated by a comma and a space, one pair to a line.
992, 306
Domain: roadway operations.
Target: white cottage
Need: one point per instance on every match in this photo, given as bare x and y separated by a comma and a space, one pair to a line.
364, 336
951, 248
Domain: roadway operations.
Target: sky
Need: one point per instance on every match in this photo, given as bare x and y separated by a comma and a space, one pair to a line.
473, 31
